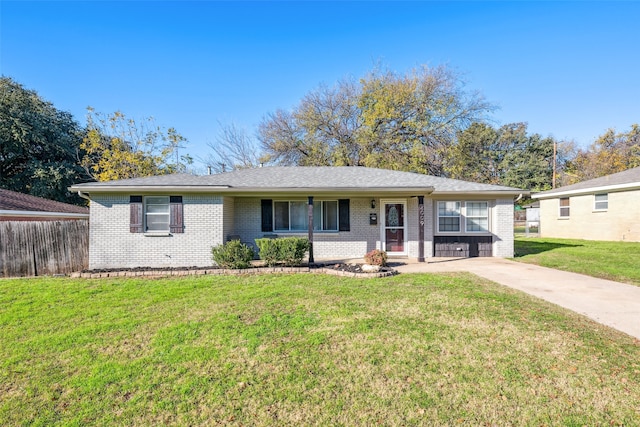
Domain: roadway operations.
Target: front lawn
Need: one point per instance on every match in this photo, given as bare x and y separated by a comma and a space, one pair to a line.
305, 350
619, 261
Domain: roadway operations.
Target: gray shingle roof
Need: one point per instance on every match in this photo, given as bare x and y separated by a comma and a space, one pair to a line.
284, 178
624, 179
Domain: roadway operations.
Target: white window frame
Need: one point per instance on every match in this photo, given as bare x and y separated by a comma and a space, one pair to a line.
147, 214
467, 216
321, 204
604, 202
459, 216
568, 207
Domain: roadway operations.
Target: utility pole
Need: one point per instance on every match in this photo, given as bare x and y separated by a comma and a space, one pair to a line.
555, 153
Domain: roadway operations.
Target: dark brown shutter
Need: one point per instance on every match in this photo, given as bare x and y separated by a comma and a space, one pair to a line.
175, 214
267, 215
343, 215
135, 214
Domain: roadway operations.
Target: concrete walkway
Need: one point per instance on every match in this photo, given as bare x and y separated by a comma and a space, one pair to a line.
611, 303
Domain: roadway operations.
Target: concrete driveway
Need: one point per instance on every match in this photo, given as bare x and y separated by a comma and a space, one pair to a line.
611, 303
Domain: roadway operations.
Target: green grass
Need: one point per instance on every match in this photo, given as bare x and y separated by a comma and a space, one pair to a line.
305, 350
619, 261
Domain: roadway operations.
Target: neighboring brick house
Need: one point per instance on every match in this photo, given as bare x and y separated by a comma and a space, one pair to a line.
174, 220
604, 208
24, 207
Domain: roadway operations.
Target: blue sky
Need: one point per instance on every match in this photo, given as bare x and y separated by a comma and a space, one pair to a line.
569, 69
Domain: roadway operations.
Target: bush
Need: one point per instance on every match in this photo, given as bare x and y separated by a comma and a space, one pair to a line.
233, 255
268, 251
287, 250
376, 257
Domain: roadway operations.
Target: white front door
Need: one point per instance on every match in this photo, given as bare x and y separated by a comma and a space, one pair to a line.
394, 227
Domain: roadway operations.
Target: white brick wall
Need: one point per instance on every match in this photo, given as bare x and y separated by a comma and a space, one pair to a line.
228, 207
113, 246
247, 213
355, 243
429, 226
331, 245
503, 228
210, 219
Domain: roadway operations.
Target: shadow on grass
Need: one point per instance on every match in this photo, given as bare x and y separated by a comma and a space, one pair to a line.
533, 247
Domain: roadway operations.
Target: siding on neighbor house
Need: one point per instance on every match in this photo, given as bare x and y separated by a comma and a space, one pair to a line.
113, 245
620, 222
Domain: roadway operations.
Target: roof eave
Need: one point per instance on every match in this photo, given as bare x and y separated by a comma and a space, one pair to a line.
249, 191
589, 190
26, 214
146, 188
493, 193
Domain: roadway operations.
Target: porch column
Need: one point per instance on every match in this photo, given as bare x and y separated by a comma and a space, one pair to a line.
311, 230
420, 228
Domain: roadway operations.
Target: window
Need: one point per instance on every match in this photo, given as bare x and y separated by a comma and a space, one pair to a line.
448, 217
601, 202
325, 215
564, 207
156, 210
156, 214
294, 215
474, 215
477, 217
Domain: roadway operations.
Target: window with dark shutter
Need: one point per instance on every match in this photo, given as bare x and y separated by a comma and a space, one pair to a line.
175, 214
344, 215
135, 214
267, 215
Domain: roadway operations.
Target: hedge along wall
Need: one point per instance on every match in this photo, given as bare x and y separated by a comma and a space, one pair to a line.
36, 248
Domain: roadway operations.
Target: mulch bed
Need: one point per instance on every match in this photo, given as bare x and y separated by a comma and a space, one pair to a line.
339, 269
354, 268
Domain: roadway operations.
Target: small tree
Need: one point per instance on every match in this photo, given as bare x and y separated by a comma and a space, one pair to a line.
117, 147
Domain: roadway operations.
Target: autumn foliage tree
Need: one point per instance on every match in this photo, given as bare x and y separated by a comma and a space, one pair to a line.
386, 120
117, 147
612, 152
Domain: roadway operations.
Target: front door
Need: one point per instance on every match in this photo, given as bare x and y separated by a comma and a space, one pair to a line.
394, 228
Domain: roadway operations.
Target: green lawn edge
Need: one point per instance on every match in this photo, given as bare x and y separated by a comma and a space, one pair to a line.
617, 261
413, 349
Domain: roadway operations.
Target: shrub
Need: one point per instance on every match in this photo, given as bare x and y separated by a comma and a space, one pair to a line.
268, 251
376, 257
232, 254
287, 250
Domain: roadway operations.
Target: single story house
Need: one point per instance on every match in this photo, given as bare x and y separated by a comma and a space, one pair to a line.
174, 220
16, 206
604, 208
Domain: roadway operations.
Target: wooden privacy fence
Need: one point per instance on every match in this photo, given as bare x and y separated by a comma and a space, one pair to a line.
33, 248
